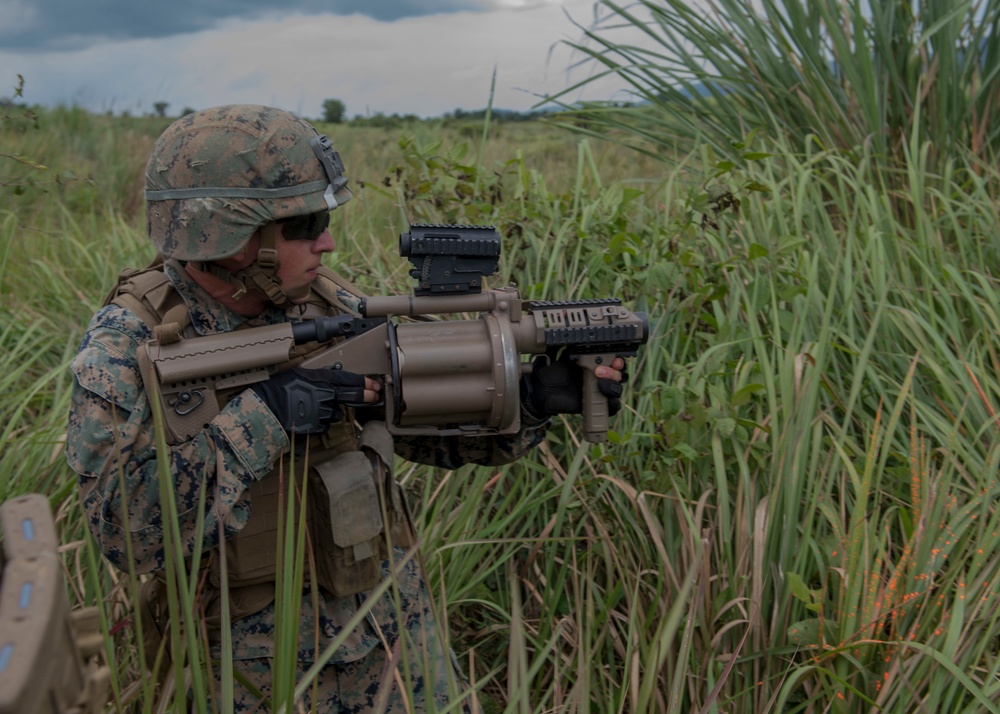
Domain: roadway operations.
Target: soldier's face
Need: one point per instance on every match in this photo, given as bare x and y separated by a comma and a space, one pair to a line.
299, 260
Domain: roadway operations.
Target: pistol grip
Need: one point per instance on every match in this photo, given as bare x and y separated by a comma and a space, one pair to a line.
595, 404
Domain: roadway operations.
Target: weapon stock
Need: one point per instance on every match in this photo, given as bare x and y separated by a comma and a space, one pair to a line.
443, 376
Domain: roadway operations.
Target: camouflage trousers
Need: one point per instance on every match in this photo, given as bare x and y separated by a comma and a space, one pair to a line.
394, 662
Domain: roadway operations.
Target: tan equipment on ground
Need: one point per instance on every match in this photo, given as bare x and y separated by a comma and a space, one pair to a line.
44, 646
442, 376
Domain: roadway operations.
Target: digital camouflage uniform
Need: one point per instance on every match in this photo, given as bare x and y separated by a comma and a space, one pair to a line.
110, 445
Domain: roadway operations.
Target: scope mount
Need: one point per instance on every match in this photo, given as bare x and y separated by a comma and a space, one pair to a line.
450, 259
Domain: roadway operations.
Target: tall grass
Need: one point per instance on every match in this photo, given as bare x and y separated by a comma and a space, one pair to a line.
796, 510
838, 73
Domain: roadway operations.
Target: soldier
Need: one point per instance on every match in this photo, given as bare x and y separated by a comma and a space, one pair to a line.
238, 205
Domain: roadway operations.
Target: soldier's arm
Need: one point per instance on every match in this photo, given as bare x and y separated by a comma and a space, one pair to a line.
111, 446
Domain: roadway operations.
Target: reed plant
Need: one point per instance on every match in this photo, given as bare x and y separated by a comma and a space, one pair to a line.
839, 74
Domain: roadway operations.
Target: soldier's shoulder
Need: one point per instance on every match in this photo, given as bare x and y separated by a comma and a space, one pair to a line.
118, 319
113, 331
106, 362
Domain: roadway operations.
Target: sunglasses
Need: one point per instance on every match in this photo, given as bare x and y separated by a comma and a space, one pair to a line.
307, 227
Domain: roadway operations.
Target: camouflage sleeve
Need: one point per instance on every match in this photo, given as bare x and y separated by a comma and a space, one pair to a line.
450, 452
111, 446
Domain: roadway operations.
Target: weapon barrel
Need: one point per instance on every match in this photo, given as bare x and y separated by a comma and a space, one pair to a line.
436, 305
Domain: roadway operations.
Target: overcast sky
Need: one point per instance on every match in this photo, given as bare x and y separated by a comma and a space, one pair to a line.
425, 57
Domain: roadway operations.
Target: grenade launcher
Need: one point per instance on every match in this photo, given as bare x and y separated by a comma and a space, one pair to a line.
441, 376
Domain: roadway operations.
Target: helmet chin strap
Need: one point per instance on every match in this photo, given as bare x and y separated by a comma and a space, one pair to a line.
261, 274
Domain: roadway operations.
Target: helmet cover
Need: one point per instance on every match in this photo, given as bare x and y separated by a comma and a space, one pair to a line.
215, 176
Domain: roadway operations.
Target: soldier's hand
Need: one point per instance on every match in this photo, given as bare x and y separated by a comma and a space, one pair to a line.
307, 401
556, 386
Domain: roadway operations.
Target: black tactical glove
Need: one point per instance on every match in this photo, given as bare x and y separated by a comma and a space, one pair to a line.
307, 401
556, 387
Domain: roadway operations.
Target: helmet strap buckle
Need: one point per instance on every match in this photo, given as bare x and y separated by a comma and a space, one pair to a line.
267, 258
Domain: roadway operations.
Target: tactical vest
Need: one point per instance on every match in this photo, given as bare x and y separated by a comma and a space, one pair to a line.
355, 509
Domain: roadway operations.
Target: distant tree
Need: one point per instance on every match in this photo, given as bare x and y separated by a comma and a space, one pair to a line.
161, 108
186, 110
333, 111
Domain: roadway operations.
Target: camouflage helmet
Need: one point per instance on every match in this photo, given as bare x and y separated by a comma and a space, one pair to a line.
215, 176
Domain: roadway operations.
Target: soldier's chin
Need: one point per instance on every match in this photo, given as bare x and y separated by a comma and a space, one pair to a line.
299, 294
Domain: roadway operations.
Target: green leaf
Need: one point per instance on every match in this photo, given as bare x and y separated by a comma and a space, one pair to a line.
671, 401
684, 451
806, 633
742, 395
798, 587
726, 426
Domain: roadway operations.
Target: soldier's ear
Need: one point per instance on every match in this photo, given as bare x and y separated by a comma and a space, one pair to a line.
249, 248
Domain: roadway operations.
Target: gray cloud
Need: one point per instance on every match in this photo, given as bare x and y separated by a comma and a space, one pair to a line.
62, 25
424, 64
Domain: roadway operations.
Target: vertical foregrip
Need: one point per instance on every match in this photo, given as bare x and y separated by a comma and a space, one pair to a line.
595, 404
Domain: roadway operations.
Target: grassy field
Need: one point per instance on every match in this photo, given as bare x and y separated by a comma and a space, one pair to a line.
796, 511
